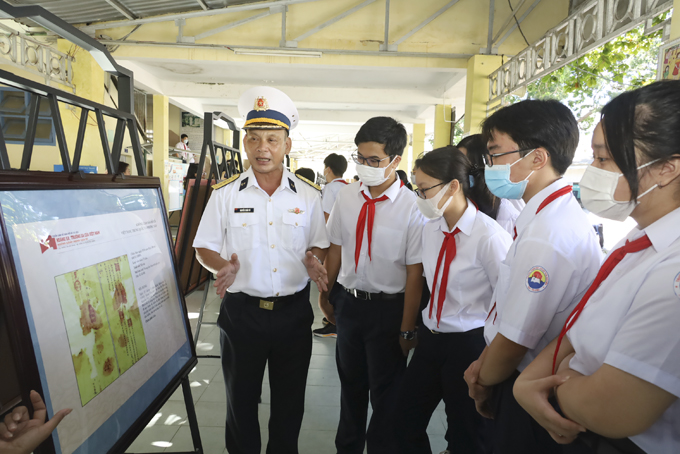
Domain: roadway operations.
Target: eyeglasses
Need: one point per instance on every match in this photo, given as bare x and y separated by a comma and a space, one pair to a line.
371, 162
488, 157
421, 192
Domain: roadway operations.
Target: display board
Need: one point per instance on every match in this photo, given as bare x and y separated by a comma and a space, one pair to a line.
192, 274
669, 61
99, 297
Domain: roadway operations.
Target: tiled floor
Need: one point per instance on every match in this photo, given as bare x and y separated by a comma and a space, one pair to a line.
169, 430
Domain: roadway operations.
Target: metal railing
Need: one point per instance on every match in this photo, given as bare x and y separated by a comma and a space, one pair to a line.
593, 24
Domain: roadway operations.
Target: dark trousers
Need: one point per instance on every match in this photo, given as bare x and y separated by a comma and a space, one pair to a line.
435, 373
370, 362
515, 431
251, 338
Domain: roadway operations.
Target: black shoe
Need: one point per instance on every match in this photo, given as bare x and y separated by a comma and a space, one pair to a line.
327, 331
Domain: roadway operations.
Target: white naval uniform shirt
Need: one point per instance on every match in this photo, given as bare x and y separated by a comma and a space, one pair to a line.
549, 267
270, 235
632, 322
481, 246
507, 216
397, 231
330, 193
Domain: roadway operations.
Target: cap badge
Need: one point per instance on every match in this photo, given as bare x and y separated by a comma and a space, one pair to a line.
261, 104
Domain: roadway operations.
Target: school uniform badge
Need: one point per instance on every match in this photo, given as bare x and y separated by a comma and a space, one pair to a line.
537, 280
676, 285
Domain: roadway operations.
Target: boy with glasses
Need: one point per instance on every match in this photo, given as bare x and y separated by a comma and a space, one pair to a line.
375, 231
550, 265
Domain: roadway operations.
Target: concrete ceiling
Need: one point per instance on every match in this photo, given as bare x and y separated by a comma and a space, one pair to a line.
349, 94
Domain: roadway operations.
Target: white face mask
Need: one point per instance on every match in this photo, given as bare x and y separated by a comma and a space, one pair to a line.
186, 141
373, 176
429, 206
597, 193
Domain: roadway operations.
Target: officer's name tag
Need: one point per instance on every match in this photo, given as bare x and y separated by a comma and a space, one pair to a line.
244, 210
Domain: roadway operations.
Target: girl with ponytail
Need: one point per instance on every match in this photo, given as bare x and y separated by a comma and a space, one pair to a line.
462, 251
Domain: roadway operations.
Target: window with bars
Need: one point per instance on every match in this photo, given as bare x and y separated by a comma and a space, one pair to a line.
14, 114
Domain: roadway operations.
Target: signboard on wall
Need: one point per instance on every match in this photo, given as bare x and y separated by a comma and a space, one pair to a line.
98, 287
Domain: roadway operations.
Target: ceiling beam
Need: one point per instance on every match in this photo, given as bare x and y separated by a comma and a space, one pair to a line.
193, 14
513, 14
489, 39
520, 20
424, 23
386, 40
230, 47
121, 9
230, 25
203, 5
329, 22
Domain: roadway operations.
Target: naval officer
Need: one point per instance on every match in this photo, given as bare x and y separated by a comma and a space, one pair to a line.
263, 234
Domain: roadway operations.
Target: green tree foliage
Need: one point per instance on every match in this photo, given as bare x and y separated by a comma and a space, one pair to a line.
588, 83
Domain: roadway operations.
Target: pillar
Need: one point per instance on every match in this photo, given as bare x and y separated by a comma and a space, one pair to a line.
406, 158
161, 141
477, 91
675, 20
418, 141
88, 78
442, 125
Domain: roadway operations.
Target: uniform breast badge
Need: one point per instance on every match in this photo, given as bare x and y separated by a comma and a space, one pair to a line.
296, 211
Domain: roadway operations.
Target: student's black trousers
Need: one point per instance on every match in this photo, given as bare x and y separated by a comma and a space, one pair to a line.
435, 373
251, 338
370, 363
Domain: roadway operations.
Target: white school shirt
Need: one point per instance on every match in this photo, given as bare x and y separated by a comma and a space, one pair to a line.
330, 193
632, 322
507, 216
270, 235
481, 246
188, 157
397, 231
548, 268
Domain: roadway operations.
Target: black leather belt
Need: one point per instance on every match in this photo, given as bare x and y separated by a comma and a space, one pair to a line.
270, 303
367, 296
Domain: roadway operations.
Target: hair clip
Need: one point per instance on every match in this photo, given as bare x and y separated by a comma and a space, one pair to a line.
472, 180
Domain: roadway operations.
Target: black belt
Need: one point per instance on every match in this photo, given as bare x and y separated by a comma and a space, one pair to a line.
270, 303
367, 296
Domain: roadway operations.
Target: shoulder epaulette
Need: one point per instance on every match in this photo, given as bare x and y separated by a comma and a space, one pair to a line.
223, 183
314, 185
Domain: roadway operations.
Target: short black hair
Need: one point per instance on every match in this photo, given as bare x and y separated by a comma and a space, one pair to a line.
336, 163
122, 167
534, 123
307, 173
183, 136
355, 177
646, 120
386, 131
475, 146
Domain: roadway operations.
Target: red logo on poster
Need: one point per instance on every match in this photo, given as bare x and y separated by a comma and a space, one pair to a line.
48, 243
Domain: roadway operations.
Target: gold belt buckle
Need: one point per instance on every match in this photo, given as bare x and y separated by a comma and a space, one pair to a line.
269, 305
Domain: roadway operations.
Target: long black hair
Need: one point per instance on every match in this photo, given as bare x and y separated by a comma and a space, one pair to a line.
646, 119
449, 163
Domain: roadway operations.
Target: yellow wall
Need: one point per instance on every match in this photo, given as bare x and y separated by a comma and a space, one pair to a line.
174, 123
675, 21
477, 90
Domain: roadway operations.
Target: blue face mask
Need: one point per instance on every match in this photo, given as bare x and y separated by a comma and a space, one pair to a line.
498, 181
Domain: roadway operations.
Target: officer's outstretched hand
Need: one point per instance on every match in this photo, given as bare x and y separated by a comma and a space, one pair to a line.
19, 434
316, 271
227, 275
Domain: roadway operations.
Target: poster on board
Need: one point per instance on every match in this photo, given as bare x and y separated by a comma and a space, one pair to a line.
105, 314
669, 61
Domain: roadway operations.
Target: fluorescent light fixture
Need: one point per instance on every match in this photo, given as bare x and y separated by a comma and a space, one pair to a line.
277, 53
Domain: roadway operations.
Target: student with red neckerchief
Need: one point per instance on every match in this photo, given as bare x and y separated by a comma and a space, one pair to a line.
462, 251
617, 358
375, 231
552, 261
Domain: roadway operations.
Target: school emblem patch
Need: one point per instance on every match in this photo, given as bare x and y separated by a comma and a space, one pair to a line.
537, 280
676, 285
